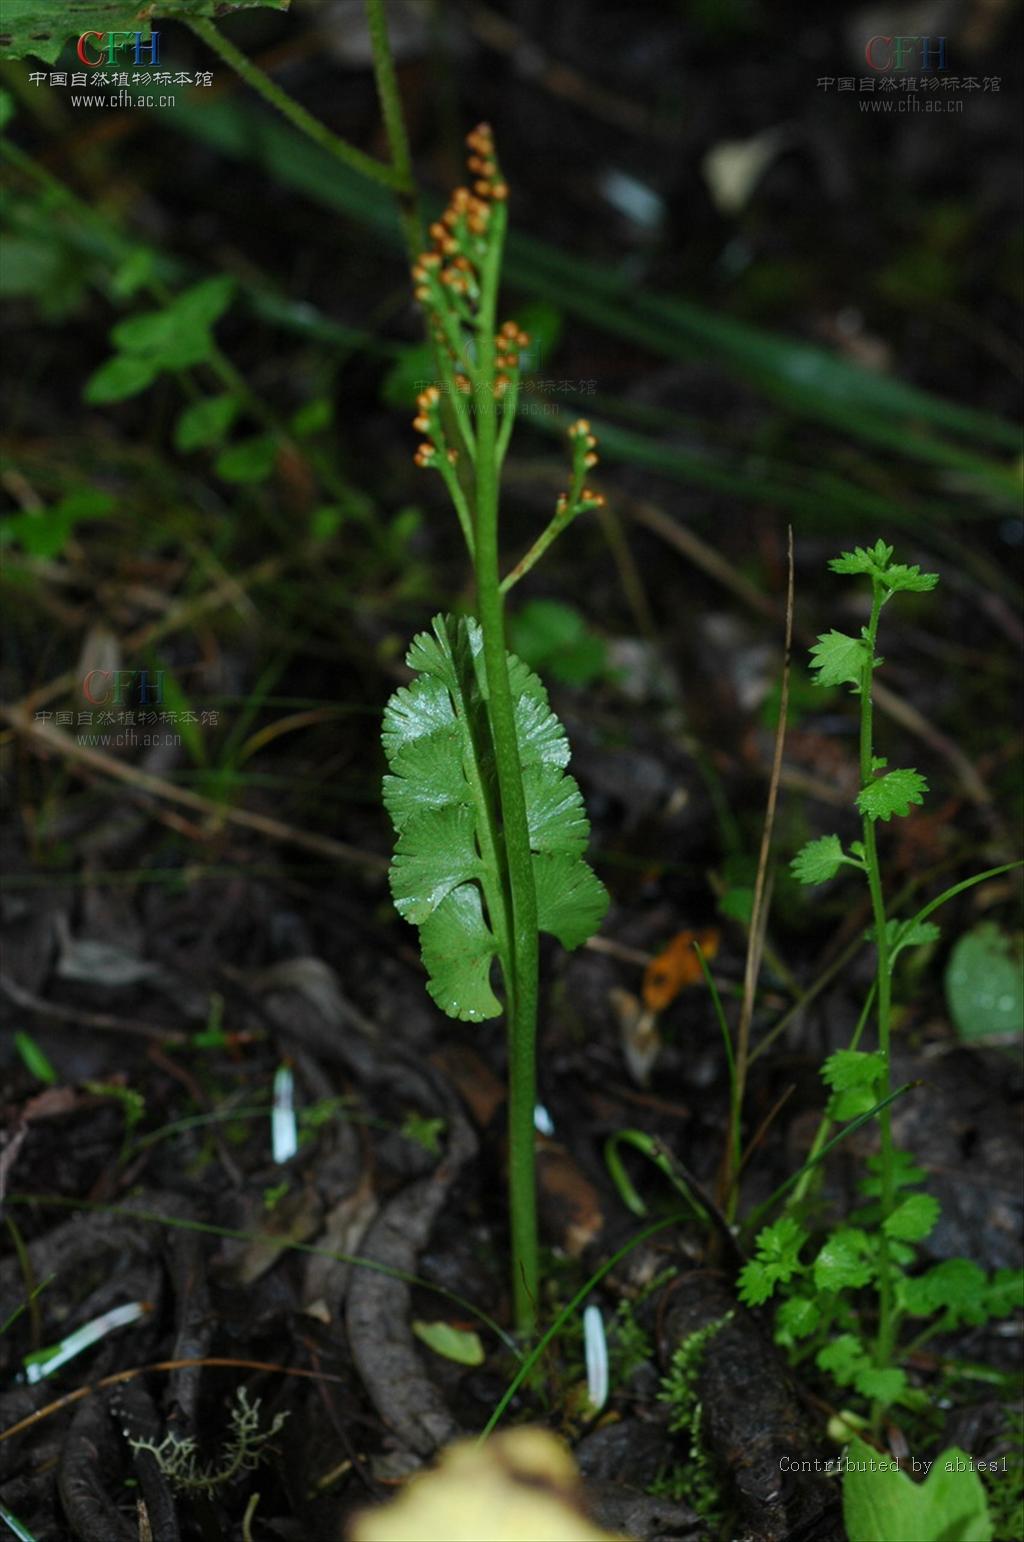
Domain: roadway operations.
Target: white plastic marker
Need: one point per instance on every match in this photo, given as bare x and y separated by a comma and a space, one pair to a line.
21, 1532
595, 1348
284, 1134
542, 1121
46, 1361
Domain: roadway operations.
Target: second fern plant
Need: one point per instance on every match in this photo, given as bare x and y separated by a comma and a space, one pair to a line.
490, 828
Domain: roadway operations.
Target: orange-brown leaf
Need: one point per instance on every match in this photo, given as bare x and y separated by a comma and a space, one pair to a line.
677, 966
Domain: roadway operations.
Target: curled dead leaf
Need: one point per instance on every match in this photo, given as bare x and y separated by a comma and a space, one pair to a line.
677, 966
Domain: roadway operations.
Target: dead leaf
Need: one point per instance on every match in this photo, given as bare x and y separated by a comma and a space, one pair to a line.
677, 966
733, 168
569, 1203
295, 1218
474, 1081
638, 1034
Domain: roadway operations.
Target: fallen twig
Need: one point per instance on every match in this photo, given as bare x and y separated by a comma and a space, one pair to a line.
45, 737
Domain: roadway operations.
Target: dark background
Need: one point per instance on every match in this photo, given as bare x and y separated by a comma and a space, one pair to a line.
744, 366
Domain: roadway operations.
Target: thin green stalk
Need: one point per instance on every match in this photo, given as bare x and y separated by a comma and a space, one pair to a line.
730, 1058
883, 1344
684, 1183
523, 986
754, 1219
526, 1369
210, 1229
958, 888
458, 497
552, 531
491, 880
394, 123
826, 1123
288, 107
454, 410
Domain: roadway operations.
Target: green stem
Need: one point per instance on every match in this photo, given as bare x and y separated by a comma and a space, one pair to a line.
458, 498
356, 160
551, 533
404, 182
826, 1123
522, 987
754, 1219
526, 1369
883, 1344
510, 406
735, 1098
489, 840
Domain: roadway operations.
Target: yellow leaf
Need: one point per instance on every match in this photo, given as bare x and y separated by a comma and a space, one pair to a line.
521, 1486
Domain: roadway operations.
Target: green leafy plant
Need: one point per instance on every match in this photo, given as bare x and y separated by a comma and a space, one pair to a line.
549, 635
821, 1287
176, 336
44, 533
490, 828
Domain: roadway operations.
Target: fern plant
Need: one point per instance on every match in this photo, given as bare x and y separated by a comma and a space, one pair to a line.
490, 828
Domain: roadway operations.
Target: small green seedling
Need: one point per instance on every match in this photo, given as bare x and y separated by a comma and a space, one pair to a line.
490, 828
822, 1291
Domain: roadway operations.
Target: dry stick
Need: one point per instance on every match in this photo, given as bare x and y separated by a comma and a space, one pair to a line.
907, 715
561, 80
101, 1021
901, 711
161, 1365
44, 737
826, 976
629, 573
700, 554
766, 1124
176, 616
758, 919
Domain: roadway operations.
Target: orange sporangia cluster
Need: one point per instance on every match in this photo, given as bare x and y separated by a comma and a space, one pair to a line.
459, 236
508, 343
427, 402
447, 279
428, 421
580, 430
582, 440
483, 163
588, 499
